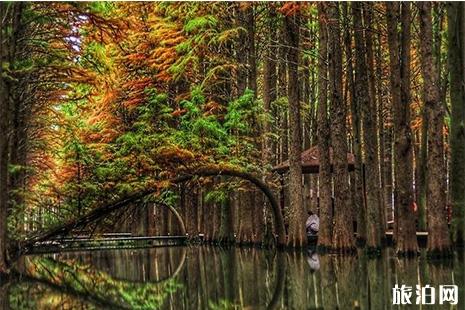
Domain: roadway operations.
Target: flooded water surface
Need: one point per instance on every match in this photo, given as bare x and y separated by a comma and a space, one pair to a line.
202, 277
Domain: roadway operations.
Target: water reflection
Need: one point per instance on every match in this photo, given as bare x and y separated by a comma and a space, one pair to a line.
213, 278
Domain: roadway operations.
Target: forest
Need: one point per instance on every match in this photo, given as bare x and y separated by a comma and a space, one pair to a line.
241, 117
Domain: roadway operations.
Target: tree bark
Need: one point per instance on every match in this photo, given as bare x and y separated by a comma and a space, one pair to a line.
358, 194
438, 235
375, 140
324, 137
406, 241
296, 235
282, 93
4, 113
456, 24
365, 100
269, 85
343, 235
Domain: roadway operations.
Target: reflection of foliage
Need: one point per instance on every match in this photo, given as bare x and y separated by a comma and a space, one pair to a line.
36, 295
99, 286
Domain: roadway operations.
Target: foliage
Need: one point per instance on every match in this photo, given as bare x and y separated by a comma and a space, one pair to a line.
98, 287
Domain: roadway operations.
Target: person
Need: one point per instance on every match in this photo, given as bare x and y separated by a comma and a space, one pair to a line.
312, 224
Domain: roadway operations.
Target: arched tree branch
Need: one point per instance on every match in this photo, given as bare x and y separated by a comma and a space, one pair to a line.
100, 212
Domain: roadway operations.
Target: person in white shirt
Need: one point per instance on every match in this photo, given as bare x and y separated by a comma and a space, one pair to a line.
312, 224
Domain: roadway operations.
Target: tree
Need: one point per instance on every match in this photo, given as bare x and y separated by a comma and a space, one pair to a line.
438, 232
343, 235
269, 84
269, 96
324, 137
297, 236
406, 241
456, 35
366, 102
4, 106
356, 124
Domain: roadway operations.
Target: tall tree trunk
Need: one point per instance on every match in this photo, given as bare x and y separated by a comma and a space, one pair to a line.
421, 165
324, 174
456, 24
269, 85
269, 96
4, 109
406, 241
282, 92
368, 17
367, 106
255, 198
438, 236
251, 53
297, 236
382, 111
358, 194
343, 235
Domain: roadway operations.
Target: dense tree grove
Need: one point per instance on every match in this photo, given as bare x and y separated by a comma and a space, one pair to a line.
102, 100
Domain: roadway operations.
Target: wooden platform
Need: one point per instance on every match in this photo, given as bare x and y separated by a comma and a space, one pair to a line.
119, 242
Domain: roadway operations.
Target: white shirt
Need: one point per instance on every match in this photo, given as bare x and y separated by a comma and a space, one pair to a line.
313, 223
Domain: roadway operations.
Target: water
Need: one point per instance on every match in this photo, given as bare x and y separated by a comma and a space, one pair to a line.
212, 278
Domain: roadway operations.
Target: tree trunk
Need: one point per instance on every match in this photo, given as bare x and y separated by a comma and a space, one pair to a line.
365, 96
343, 235
297, 236
282, 92
438, 235
269, 86
456, 20
251, 53
382, 120
406, 241
4, 108
254, 197
368, 16
421, 163
324, 138
358, 194
269, 96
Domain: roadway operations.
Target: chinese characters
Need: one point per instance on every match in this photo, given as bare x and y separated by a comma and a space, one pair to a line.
425, 295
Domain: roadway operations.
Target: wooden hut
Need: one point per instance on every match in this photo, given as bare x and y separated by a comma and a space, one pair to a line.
311, 162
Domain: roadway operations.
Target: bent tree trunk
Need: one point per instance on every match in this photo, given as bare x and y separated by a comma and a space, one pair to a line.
100, 212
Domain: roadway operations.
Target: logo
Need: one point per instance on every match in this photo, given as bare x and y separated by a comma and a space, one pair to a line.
425, 295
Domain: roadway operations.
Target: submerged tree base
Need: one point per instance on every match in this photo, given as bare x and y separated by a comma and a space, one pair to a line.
439, 253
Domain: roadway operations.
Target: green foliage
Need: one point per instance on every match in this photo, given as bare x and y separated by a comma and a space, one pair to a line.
240, 111
200, 23
219, 195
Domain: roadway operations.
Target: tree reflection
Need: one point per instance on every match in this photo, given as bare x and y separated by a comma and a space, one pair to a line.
205, 277
82, 282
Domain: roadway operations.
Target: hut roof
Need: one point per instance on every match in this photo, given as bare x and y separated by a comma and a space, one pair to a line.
311, 161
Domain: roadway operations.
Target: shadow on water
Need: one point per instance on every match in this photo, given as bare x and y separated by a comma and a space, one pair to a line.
204, 277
